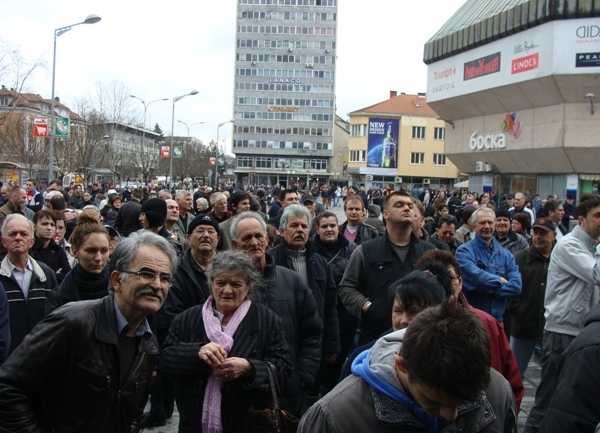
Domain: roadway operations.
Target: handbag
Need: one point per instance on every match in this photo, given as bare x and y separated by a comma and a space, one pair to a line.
272, 419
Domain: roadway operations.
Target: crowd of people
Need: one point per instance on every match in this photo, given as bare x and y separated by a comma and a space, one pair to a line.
420, 311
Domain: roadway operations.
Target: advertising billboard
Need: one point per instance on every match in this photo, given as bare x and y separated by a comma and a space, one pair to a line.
382, 147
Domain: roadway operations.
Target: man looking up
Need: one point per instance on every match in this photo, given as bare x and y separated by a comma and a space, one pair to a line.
490, 274
375, 264
100, 351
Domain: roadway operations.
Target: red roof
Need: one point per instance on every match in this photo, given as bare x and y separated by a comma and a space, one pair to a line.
403, 105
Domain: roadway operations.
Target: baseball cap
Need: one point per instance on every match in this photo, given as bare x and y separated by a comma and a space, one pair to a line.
544, 223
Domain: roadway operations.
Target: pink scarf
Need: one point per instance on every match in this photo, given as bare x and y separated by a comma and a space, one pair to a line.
211, 409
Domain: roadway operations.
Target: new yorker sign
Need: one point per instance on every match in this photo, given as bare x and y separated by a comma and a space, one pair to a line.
483, 66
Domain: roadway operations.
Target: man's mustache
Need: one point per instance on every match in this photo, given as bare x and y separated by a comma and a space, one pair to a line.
151, 292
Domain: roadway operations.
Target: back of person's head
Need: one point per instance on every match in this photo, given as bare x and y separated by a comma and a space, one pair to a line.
58, 203
439, 271
87, 224
587, 203
448, 349
137, 193
466, 213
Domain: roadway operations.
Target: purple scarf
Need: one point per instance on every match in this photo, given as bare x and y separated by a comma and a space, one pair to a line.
211, 409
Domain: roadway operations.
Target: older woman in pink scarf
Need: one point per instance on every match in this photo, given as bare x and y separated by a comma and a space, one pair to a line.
217, 352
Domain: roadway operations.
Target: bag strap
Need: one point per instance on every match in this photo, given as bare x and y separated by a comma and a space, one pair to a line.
275, 393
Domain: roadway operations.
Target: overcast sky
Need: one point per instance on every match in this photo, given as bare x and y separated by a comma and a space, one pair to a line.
166, 49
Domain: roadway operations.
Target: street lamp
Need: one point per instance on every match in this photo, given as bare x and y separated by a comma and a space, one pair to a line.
217, 152
90, 19
175, 99
146, 105
189, 127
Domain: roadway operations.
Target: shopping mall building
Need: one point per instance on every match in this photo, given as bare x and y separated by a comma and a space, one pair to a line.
518, 83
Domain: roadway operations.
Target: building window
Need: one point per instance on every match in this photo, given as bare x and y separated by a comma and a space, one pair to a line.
318, 164
4, 101
417, 158
358, 130
418, 132
262, 162
281, 163
439, 133
358, 155
245, 162
439, 159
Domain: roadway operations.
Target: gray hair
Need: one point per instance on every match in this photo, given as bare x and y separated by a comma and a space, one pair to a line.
245, 215
16, 216
216, 196
181, 194
202, 202
234, 261
297, 211
473, 218
165, 194
123, 256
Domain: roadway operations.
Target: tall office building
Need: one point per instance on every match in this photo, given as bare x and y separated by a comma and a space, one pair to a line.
284, 100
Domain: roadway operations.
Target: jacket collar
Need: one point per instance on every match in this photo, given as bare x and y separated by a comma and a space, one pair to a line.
534, 255
37, 269
494, 245
586, 239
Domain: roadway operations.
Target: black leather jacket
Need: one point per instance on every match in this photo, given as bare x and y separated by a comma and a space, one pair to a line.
66, 375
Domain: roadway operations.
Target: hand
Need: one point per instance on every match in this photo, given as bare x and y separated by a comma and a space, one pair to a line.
232, 369
212, 354
330, 358
503, 280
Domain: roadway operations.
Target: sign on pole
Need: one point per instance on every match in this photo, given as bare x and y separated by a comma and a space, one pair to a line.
63, 127
40, 127
164, 151
212, 160
177, 151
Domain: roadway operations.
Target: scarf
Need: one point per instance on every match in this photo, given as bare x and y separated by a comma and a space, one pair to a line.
211, 409
90, 286
361, 368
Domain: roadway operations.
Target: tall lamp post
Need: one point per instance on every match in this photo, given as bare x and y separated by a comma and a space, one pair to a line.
146, 105
175, 99
90, 19
189, 126
217, 153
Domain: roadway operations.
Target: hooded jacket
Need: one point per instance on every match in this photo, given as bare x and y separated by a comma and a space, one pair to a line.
385, 406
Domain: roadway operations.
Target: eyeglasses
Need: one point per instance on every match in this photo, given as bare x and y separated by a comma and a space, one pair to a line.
147, 277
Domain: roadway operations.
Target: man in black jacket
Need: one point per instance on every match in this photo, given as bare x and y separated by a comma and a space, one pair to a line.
297, 253
377, 263
128, 218
99, 351
284, 292
354, 229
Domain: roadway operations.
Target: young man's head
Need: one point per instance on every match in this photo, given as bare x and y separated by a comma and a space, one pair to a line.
288, 197
554, 210
588, 214
354, 208
444, 360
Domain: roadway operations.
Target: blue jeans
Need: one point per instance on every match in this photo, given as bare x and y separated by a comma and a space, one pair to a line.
522, 349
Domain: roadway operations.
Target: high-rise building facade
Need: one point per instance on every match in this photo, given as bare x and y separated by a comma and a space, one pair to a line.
284, 100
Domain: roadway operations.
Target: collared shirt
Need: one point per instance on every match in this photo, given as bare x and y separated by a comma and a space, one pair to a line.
123, 326
22, 278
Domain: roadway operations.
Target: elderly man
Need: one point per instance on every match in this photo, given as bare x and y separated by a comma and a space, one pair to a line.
490, 274
377, 263
284, 292
99, 351
504, 234
190, 286
28, 283
185, 203
219, 210
297, 253
446, 232
519, 206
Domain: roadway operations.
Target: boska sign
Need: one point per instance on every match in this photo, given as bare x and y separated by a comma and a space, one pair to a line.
489, 141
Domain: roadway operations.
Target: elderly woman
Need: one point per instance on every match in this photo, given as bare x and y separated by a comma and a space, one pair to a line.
217, 352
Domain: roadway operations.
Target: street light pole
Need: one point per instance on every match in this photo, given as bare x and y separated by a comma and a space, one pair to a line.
189, 126
175, 99
145, 110
217, 153
90, 19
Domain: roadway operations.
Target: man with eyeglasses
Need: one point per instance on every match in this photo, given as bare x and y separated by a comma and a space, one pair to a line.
101, 350
445, 232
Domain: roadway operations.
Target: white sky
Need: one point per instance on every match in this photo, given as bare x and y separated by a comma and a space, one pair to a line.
163, 49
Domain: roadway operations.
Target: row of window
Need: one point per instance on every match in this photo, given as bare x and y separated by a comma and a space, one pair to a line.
290, 45
304, 88
418, 132
281, 163
282, 130
298, 117
417, 158
284, 58
271, 144
297, 102
280, 16
298, 73
288, 30
331, 3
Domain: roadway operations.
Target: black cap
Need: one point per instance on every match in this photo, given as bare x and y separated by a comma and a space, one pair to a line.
545, 224
503, 213
155, 210
203, 219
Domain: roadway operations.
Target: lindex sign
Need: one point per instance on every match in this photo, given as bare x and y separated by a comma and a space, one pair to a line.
177, 151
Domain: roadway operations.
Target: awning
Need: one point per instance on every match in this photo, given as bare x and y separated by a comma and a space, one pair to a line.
463, 184
589, 176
